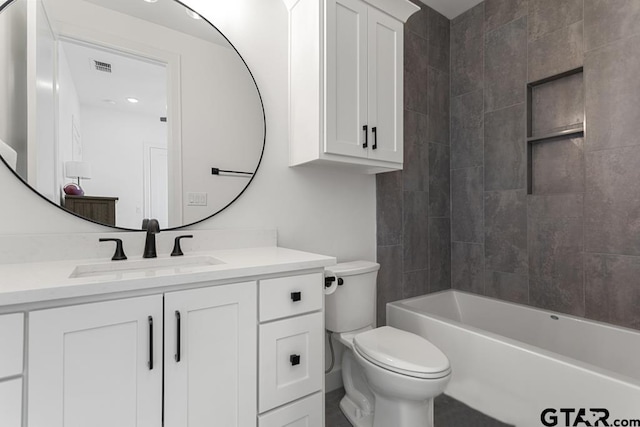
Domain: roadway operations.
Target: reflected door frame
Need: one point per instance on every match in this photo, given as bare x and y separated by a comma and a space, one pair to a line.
172, 61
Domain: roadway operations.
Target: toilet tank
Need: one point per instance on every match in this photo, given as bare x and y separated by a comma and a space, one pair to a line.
353, 305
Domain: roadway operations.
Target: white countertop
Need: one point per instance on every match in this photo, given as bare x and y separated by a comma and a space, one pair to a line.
26, 283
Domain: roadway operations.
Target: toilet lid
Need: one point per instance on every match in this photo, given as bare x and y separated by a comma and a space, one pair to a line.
402, 352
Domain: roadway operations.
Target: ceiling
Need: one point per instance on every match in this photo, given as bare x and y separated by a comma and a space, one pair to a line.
451, 8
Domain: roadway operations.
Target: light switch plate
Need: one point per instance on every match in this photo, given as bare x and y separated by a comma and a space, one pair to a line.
196, 199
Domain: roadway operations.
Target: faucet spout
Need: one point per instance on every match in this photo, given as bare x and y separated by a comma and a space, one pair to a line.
152, 227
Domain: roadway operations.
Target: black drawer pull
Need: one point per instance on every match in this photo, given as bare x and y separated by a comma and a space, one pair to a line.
294, 359
374, 130
296, 296
365, 128
178, 338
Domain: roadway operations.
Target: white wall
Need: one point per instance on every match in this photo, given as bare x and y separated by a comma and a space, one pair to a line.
13, 71
68, 113
319, 210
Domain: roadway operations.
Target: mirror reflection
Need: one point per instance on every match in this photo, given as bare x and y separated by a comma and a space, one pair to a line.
120, 110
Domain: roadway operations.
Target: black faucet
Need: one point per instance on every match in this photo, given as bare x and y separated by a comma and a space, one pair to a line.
153, 227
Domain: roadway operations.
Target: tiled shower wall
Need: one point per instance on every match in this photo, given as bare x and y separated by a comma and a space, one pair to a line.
413, 206
574, 245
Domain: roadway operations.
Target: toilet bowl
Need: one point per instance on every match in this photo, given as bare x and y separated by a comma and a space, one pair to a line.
390, 376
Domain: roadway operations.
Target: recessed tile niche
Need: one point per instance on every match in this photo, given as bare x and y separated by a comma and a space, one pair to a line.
555, 134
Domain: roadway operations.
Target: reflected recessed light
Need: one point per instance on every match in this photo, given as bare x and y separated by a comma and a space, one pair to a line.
151, 1
133, 100
109, 101
192, 14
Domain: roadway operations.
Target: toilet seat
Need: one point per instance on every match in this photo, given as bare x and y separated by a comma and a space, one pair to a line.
402, 352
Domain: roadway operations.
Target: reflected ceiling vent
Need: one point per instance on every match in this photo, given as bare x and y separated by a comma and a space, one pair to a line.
105, 67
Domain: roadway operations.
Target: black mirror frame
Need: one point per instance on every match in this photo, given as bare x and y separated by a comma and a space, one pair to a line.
264, 143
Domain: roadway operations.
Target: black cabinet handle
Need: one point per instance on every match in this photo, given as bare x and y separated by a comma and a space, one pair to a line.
150, 363
375, 137
296, 296
365, 128
294, 359
177, 355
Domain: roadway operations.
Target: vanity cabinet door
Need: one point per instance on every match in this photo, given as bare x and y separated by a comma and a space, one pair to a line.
211, 356
96, 365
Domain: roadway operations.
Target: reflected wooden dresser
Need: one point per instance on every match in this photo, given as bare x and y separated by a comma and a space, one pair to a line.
100, 209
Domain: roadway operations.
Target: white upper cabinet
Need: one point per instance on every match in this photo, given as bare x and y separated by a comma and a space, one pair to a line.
346, 82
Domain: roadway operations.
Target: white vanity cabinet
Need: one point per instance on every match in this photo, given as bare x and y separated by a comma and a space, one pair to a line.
96, 364
346, 82
11, 367
210, 356
291, 353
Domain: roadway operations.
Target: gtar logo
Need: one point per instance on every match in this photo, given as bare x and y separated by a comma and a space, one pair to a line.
571, 417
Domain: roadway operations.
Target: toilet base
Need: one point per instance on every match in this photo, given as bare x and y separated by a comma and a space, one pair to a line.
354, 413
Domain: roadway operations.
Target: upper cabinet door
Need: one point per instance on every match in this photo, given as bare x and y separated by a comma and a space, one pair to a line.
211, 357
96, 365
346, 78
385, 79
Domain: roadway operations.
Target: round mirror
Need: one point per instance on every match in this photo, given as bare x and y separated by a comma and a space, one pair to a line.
120, 110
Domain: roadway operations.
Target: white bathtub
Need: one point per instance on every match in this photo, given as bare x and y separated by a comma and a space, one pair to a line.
512, 361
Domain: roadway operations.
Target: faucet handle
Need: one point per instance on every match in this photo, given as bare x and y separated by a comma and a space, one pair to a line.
177, 250
119, 255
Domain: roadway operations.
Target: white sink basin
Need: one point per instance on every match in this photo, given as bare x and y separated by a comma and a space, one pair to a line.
145, 267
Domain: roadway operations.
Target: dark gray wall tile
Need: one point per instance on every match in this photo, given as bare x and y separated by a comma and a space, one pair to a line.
612, 289
467, 267
467, 51
439, 41
612, 201
389, 279
438, 106
416, 230
500, 12
555, 206
556, 52
612, 97
555, 250
505, 231
439, 254
554, 295
416, 152
607, 21
505, 65
507, 286
415, 283
467, 130
439, 185
558, 166
415, 73
547, 16
389, 199
558, 105
417, 23
505, 149
467, 205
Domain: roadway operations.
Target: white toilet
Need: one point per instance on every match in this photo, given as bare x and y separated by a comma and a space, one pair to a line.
390, 376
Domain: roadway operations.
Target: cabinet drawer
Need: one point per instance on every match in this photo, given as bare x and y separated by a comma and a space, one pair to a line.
305, 412
11, 337
291, 360
290, 296
11, 403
